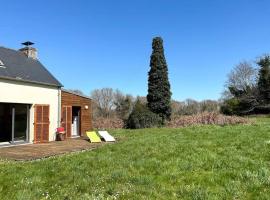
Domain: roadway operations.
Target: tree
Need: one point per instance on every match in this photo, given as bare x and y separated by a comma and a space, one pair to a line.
241, 79
241, 90
104, 98
209, 106
176, 107
191, 107
109, 103
159, 94
264, 79
124, 105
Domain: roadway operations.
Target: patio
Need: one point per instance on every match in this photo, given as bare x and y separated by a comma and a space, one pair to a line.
38, 151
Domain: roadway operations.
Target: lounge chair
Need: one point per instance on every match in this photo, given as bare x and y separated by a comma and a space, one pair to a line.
94, 138
106, 136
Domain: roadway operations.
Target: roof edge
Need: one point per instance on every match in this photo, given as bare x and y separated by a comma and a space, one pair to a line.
28, 81
70, 92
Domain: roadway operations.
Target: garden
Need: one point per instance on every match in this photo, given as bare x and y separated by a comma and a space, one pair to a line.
195, 162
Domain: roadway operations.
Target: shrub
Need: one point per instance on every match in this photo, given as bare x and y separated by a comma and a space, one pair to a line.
142, 117
230, 107
108, 123
206, 118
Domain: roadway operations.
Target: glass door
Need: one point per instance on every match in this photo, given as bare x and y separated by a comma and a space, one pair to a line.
20, 122
5, 123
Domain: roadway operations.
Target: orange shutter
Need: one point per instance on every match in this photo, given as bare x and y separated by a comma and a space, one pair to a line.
67, 119
42, 122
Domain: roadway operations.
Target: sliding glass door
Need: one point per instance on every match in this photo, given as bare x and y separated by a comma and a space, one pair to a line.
20, 122
14, 122
5, 123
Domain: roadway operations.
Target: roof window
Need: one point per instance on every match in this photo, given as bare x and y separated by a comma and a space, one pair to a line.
2, 64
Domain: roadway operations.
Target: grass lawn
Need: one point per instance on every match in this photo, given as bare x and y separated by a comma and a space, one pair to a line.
208, 162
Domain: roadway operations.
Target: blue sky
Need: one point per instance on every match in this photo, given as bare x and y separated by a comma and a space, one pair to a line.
91, 44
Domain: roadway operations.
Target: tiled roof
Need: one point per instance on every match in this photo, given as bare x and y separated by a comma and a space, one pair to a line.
17, 66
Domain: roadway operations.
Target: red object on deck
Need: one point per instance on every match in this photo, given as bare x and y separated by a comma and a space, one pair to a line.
60, 130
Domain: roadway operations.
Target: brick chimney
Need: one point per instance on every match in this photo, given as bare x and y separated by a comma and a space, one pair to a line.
29, 51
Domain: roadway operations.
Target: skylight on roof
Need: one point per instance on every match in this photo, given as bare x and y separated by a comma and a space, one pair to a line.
2, 64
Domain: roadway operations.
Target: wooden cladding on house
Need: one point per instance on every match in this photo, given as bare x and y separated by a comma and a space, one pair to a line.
41, 123
69, 100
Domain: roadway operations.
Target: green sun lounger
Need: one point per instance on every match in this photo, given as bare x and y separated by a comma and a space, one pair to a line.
93, 137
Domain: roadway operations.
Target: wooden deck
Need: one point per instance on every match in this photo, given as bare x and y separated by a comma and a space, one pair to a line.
38, 151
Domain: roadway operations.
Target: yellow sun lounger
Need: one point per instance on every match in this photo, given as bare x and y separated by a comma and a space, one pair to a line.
93, 136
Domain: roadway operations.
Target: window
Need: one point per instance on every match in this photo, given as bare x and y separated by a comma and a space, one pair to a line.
2, 65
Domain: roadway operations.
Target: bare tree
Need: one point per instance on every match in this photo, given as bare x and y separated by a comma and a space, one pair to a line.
176, 107
142, 99
118, 97
209, 106
124, 105
110, 103
241, 91
243, 77
190, 106
104, 99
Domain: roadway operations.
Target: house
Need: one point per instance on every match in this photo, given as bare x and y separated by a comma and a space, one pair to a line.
33, 103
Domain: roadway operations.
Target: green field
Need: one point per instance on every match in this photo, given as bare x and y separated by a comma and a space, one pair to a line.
207, 162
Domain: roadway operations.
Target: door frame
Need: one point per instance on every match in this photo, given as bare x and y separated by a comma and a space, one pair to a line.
13, 124
13, 113
79, 120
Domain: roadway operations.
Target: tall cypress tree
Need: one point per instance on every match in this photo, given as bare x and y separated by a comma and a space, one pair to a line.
159, 94
264, 79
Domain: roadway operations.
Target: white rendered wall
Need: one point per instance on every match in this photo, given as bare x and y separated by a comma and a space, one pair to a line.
20, 92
